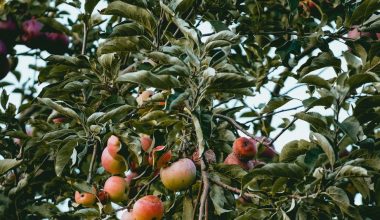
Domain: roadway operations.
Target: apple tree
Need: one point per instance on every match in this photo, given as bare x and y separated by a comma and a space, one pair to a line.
142, 109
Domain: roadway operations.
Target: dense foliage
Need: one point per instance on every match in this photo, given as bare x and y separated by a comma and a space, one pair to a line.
54, 143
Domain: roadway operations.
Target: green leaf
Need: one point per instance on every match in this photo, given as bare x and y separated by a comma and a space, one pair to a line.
59, 108
87, 213
51, 22
315, 81
151, 80
8, 164
325, 145
4, 99
341, 199
80, 61
181, 5
366, 103
89, 5
231, 171
127, 29
187, 210
275, 103
293, 4
124, 44
314, 119
118, 112
293, 149
322, 60
218, 199
64, 155
230, 81
351, 127
358, 80
289, 170
140, 15
254, 214
183, 26
363, 11
221, 39
326, 101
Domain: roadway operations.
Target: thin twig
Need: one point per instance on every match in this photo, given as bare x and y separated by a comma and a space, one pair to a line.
90, 170
197, 200
287, 127
234, 123
233, 189
84, 42
274, 113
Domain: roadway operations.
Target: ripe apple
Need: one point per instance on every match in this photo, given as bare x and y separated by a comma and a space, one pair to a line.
4, 66
3, 48
56, 43
8, 29
179, 175
115, 186
244, 148
31, 33
113, 165
113, 145
343, 153
126, 215
85, 199
143, 97
146, 142
148, 207
232, 159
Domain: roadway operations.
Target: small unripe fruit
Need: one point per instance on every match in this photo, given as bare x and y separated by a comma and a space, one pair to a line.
146, 142
232, 159
143, 97
113, 145
148, 208
126, 215
115, 186
85, 199
113, 165
244, 148
179, 175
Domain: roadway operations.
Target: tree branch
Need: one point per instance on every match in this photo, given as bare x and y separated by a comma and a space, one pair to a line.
233, 189
84, 42
287, 127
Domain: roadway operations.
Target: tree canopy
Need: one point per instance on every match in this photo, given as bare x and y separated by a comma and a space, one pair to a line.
131, 90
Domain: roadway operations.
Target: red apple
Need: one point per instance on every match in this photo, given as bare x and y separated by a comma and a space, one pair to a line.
232, 159
179, 175
113, 165
31, 33
103, 197
148, 207
56, 43
355, 34
113, 145
244, 148
115, 186
85, 199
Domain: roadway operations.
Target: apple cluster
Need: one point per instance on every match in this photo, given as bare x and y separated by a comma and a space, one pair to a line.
245, 152
31, 34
